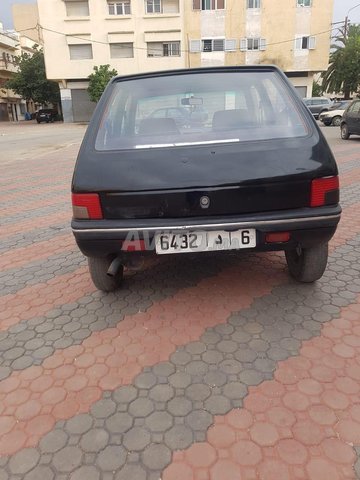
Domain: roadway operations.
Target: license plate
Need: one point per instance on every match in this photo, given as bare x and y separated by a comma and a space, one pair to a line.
186, 242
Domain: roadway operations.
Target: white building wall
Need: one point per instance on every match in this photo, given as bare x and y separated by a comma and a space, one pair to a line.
302, 29
253, 30
212, 27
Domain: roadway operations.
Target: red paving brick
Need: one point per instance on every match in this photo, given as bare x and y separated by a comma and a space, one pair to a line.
317, 441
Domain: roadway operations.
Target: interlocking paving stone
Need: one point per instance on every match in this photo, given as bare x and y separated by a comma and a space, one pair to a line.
305, 423
203, 389
33, 236
70, 324
37, 213
13, 280
172, 404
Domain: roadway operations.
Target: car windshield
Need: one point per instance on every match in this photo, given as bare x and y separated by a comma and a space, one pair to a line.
340, 106
199, 108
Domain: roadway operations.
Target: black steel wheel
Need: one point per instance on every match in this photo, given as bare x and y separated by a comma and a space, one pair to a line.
307, 264
98, 268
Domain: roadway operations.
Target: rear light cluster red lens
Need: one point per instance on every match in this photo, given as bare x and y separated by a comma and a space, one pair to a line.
277, 237
320, 188
86, 206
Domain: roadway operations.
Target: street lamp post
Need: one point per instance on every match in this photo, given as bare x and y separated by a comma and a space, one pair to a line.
347, 19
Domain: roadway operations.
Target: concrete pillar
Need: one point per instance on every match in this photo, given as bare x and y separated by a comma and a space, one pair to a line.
66, 105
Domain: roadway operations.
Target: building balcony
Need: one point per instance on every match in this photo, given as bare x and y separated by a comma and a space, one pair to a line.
8, 40
6, 66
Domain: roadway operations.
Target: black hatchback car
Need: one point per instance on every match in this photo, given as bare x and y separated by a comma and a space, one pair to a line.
350, 124
257, 175
47, 115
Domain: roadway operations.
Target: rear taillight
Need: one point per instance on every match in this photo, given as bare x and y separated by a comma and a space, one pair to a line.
324, 191
86, 206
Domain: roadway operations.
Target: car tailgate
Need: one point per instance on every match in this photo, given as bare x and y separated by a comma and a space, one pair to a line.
207, 180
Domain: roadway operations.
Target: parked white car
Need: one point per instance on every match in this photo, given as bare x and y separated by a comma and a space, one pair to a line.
334, 115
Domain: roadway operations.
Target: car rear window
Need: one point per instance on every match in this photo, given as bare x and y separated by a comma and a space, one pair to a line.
199, 108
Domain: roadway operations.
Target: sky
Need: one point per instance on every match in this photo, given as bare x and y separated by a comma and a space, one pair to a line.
341, 8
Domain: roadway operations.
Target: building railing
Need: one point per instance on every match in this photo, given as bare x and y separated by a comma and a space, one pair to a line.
7, 66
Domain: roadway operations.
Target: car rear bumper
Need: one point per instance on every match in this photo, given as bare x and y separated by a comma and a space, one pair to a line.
307, 226
98, 238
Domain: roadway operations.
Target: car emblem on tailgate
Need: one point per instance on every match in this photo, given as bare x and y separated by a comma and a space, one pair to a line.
204, 202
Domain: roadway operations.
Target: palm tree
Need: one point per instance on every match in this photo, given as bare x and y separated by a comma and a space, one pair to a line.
343, 74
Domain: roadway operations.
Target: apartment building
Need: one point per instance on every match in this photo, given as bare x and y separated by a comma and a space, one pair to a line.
144, 35
293, 34
26, 20
130, 35
11, 105
12, 44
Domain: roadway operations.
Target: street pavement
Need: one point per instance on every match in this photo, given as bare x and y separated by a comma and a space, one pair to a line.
199, 368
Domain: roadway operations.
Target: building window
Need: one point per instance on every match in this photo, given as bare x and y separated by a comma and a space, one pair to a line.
213, 45
305, 43
303, 3
208, 4
77, 9
253, 3
163, 49
119, 8
251, 44
121, 50
81, 52
153, 6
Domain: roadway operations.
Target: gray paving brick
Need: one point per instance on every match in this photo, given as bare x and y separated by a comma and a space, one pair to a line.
133, 472
161, 393
86, 472
136, 439
103, 408
156, 457
68, 459
179, 437
112, 458
94, 440
159, 421
53, 441
79, 424
119, 422
40, 473
24, 461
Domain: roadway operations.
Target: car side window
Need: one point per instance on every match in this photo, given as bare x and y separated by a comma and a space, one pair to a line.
355, 108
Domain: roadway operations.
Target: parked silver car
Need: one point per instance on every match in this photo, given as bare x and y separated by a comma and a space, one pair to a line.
318, 105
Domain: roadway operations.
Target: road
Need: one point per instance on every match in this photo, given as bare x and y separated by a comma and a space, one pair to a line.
28, 139
214, 368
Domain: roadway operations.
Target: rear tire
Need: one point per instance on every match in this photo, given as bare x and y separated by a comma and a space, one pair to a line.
307, 264
98, 268
345, 135
336, 121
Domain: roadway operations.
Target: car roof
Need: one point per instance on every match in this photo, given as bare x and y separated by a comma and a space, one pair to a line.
189, 71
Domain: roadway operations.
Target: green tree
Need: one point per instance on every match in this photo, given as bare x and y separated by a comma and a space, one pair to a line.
343, 74
30, 81
98, 81
317, 90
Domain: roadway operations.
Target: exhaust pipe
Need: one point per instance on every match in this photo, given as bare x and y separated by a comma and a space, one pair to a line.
114, 267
